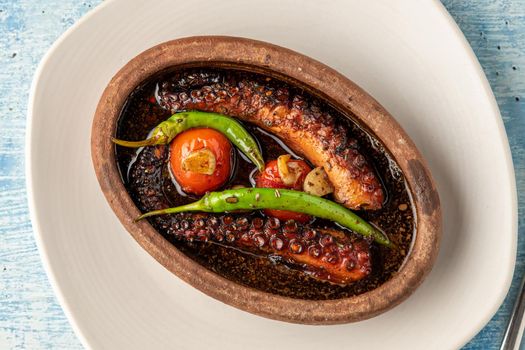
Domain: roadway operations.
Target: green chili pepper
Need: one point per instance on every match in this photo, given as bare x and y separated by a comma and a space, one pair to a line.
269, 198
166, 131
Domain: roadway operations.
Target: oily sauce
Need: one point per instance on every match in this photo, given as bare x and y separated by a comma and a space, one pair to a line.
141, 113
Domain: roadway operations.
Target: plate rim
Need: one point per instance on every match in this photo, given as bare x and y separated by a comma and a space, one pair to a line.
39, 239
480, 75
508, 161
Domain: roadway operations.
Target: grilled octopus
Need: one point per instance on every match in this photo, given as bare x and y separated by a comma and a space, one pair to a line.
305, 127
327, 255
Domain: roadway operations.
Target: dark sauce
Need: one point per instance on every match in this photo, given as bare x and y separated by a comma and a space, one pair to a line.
141, 113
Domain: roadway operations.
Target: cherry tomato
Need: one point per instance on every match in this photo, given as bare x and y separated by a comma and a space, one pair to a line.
200, 160
270, 178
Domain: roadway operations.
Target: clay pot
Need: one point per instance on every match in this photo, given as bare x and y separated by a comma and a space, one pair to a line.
318, 79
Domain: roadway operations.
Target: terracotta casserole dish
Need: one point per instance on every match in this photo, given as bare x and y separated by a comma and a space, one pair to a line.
244, 55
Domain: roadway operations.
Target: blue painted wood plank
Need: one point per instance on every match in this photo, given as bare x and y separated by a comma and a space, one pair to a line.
30, 317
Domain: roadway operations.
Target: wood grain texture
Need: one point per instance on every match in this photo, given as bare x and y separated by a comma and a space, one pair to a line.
30, 317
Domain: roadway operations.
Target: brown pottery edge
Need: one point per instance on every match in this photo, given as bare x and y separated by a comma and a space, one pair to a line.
345, 95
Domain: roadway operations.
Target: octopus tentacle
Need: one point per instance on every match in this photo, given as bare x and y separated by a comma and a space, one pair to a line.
328, 255
323, 254
305, 127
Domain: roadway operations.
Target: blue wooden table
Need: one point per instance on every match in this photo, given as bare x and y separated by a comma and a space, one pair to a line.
30, 317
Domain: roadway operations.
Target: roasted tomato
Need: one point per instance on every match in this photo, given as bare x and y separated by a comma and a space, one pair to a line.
200, 160
284, 173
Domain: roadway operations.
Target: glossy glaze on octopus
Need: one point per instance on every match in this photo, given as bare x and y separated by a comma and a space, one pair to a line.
301, 123
266, 268
326, 254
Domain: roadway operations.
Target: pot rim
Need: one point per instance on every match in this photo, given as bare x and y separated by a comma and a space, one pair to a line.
258, 56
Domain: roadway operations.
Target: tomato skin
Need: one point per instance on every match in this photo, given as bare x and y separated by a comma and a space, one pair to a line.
270, 178
194, 140
285, 215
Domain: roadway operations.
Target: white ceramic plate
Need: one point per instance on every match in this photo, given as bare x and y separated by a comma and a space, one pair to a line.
408, 54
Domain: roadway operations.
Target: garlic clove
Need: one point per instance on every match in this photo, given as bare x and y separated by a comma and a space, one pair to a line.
317, 183
201, 161
289, 172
